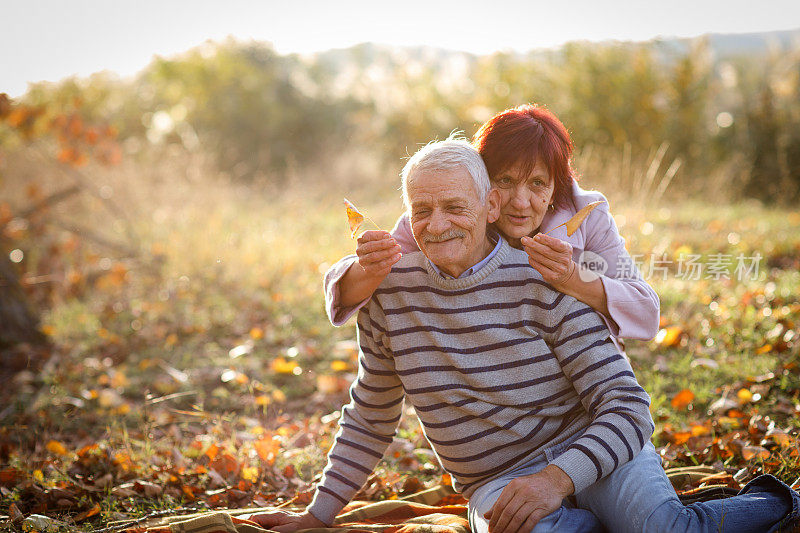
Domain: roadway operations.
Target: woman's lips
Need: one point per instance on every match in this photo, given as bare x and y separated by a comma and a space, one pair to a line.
518, 220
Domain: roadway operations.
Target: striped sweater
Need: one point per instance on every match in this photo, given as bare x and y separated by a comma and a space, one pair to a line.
498, 366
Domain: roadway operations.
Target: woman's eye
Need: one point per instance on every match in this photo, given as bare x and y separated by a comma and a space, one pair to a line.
504, 181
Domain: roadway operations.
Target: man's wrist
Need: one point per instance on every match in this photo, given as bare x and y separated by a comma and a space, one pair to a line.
560, 479
312, 521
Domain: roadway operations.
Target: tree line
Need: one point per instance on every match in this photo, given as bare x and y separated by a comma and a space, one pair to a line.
700, 117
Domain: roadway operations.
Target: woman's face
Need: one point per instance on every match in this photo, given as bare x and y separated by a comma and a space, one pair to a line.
523, 201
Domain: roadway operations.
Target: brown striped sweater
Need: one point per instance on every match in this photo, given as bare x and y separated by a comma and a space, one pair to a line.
498, 366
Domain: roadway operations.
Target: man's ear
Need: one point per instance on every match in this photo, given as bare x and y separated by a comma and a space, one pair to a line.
493, 200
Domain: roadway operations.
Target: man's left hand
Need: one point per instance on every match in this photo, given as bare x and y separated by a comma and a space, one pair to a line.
528, 499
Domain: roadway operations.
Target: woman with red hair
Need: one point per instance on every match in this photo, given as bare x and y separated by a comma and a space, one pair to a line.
527, 152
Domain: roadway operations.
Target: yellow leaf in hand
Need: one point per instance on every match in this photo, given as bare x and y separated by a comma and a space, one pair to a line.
353, 217
575, 222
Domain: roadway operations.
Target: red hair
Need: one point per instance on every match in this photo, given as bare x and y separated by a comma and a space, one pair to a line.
522, 136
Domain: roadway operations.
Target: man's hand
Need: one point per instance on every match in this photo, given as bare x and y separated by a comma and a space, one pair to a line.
377, 251
286, 522
528, 499
552, 257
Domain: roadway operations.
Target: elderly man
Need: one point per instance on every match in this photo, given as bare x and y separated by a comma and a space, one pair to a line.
521, 392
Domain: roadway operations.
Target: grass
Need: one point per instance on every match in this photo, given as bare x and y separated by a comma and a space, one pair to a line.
143, 384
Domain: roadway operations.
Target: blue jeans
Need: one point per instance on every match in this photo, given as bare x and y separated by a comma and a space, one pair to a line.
638, 497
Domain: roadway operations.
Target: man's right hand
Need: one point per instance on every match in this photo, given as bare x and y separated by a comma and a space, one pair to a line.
285, 521
377, 251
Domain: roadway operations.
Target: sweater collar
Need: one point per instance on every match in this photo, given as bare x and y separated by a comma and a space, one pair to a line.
495, 259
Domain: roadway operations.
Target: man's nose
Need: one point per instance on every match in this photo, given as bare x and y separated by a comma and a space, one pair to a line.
438, 223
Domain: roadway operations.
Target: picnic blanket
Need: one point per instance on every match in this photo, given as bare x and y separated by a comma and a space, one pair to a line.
436, 510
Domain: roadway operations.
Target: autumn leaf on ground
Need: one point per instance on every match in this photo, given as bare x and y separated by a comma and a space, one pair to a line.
575, 222
682, 399
355, 218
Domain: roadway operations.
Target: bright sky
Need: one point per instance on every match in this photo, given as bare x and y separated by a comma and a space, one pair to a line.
53, 39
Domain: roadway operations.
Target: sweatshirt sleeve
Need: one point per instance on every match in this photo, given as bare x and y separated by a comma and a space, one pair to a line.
632, 302
608, 390
339, 315
368, 423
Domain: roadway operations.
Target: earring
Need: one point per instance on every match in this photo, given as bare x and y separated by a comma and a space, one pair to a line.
550, 207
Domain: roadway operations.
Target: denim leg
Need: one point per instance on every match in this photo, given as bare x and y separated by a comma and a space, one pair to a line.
567, 518
638, 496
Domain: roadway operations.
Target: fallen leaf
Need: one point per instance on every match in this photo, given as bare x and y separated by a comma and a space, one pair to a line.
87, 514
268, 449
682, 399
744, 395
754, 452
56, 447
668, 337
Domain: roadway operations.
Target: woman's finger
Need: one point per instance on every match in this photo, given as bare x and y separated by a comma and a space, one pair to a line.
552, 242
547, 274
546, 251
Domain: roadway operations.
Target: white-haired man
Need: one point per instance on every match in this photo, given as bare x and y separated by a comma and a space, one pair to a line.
522, 394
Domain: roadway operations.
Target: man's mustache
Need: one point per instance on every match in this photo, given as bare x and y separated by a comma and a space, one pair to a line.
446, 236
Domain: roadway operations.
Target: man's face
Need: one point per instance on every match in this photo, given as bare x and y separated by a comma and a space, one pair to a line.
448, 219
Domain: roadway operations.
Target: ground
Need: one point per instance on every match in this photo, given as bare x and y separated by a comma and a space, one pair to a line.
204, 373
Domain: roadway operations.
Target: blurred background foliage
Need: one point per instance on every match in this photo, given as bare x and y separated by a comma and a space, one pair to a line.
662, 117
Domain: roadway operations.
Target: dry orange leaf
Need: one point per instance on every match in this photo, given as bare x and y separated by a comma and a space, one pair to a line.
86, 514
682, 399
575, 222
268, 449
355, 218
670, 336
56, 447
754, 452
282, 366
744, 395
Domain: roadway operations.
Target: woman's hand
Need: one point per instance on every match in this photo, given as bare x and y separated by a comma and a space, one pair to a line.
551, 257
286, 522
377, 251
528, 499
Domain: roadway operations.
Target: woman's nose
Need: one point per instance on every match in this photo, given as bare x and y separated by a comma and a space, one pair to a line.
521, 198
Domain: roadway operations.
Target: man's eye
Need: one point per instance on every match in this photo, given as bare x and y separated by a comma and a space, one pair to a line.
455, 209
421, 213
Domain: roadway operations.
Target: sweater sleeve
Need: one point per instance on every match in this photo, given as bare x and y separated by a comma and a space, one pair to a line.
337, 314
632, 302
368, 423
608, 390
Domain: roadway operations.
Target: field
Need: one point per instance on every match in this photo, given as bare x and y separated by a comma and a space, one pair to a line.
203, 372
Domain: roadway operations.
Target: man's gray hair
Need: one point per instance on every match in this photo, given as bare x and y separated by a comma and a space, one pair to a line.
451, 153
